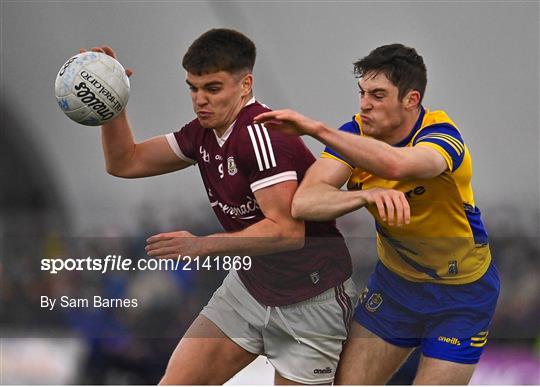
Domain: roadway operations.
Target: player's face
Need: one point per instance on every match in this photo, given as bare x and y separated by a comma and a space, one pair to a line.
381, 111
218, 97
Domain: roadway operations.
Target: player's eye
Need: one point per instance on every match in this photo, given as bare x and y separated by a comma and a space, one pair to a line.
378, 96
193, 89
213, 89
362, 93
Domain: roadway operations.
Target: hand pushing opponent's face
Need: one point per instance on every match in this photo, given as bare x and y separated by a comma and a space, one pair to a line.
218, 97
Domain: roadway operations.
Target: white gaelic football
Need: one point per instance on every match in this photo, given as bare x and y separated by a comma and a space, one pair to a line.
92, 88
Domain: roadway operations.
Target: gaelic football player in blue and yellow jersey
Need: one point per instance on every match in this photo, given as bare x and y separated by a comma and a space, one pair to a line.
434, 286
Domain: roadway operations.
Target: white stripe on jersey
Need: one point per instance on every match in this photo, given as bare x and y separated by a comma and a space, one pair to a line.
254, 143
263, 148
262, 145
269, 143
171, 139
271, 180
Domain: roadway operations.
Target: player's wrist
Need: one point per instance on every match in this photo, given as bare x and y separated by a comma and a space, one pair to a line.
319, 131
361, 198
120, 119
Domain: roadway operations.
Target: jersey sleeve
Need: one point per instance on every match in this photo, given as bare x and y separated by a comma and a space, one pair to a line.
329, 153
267, 157
183, 143
446, 140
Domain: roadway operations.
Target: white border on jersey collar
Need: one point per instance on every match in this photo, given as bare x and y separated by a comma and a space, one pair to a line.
221, 140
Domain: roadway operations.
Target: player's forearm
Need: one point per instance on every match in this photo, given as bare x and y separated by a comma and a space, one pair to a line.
323, 202
264, 237
371, 155
118, 144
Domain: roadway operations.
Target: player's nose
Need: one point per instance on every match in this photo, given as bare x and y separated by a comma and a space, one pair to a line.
199, 98
365, 104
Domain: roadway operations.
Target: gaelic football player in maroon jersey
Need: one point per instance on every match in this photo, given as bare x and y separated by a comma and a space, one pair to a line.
294, 303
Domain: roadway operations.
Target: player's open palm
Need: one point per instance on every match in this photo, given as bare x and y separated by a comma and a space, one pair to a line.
392, 205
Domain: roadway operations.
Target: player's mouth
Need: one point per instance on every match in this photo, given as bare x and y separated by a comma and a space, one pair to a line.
203, 115
365, 118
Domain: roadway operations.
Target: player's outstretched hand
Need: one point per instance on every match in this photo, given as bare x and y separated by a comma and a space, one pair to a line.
289, 122
109, 51
172, 245
392, 205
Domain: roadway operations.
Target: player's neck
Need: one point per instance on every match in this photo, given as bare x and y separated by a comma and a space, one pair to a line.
405, 129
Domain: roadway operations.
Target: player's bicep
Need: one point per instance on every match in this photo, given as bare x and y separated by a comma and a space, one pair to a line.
155, 157
275, 203
440, 147
275, 200
423, 162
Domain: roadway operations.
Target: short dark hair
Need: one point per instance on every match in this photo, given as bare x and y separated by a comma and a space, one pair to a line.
220, 49
402, 66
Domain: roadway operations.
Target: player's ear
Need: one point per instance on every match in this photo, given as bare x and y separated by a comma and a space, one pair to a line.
247, 83
412, 99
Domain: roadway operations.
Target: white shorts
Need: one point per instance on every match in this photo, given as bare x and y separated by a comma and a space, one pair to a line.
303, 341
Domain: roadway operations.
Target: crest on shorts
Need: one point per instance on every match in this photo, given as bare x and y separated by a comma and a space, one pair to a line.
374, 302
231, 166
315, 278
452, 267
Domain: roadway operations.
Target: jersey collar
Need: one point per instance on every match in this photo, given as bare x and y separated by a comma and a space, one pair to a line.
221, 140
415, 129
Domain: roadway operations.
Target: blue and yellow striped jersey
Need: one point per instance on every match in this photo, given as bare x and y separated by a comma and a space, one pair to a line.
446, 241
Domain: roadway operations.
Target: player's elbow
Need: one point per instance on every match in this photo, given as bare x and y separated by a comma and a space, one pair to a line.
300, 205
297, 209
113, 171
120, 172
394, 173
116, 172
123, 164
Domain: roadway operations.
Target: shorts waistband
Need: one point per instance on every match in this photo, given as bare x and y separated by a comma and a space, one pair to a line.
328, 294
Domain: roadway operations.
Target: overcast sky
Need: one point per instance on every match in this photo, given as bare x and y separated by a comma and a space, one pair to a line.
482, 59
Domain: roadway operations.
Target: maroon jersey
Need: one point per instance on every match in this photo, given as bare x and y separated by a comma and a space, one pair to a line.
245, 159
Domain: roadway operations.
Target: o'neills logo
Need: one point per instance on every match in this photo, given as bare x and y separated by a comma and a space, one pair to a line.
89, 98
326, 370
450, 340
242, 211
102, 90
